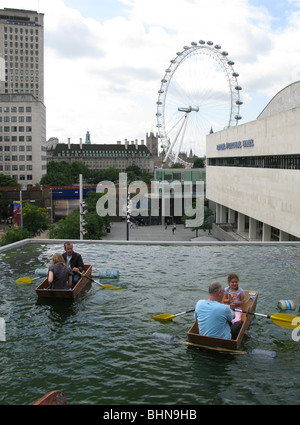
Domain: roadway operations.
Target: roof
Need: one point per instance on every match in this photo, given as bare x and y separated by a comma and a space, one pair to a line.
286, 99
112, 150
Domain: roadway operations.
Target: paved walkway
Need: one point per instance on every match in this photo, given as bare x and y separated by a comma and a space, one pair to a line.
147, 233
155, 233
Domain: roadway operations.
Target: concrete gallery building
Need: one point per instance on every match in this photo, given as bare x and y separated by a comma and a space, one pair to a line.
253, 173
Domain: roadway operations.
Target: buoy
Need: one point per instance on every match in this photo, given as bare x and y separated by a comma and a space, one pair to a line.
41, 272
286, 305
109, 274
168, 339
263, 353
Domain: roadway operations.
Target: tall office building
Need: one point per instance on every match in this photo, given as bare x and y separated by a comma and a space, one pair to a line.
22, 110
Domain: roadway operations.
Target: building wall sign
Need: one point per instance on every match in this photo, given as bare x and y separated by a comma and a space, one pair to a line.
236, 145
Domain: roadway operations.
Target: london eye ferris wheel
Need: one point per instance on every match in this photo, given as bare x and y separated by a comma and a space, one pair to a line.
199, 93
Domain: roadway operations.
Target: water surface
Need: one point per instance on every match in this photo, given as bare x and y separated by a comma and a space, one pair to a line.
99, 350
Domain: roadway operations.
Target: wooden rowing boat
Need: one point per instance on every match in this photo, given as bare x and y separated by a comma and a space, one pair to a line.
43, 290
226, 344
53, 398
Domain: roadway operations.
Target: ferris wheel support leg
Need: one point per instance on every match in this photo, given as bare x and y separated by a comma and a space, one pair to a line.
182, 137
175, 140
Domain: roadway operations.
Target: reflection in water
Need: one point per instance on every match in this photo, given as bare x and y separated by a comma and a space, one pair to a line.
98, 349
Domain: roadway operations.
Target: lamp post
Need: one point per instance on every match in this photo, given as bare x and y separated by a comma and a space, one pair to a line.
81, 212
127, 215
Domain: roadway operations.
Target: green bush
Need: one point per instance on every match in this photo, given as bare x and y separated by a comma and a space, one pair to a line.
15, 235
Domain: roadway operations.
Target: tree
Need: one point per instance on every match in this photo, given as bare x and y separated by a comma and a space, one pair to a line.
58, 174
7, 181
207, 221
15, 235
177, 165
69, 227
136, 173
66, 228
96, 226
34, 219
77, 168
198, 163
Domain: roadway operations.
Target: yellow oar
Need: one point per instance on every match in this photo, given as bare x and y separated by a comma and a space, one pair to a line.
289, 321
27, 280
170, 316
111, 287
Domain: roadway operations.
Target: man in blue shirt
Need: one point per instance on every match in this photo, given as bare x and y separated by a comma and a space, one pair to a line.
212, 316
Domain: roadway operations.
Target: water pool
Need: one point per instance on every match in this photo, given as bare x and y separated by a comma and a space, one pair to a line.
98, 349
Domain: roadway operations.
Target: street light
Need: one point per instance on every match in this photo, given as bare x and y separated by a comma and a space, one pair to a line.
127, 215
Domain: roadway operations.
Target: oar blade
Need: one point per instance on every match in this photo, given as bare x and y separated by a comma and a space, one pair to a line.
24, 280
112, 288
163, 317
289, 321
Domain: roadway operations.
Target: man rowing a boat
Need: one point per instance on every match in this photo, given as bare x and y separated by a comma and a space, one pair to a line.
214, 319
74, 261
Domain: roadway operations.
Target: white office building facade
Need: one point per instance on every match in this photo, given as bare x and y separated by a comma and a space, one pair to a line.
253, 172
22, 110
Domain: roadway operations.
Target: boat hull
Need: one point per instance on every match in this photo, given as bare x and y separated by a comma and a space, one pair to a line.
228, 344
53, 398
43, 291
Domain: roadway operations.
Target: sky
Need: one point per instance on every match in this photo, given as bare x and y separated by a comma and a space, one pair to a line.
104, 59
